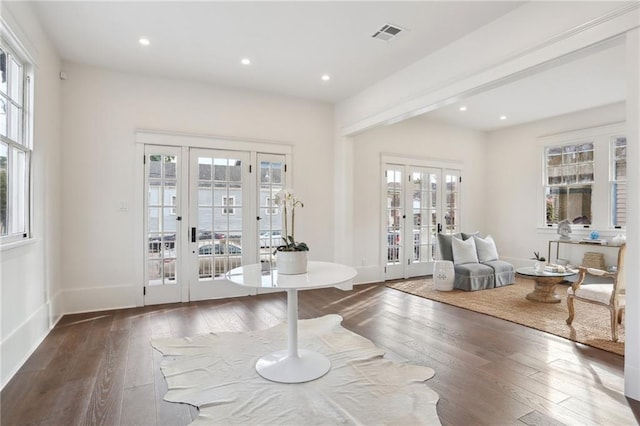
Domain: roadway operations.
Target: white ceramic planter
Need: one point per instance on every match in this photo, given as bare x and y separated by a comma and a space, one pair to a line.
291, 262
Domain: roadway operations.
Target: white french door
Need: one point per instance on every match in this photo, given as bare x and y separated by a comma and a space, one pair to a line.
419, 202
271, 180
220, 211
163, 224
201, 209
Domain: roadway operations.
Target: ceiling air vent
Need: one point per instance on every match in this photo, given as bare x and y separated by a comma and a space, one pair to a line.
387, 32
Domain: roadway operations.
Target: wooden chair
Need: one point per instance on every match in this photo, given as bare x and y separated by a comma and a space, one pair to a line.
605, 293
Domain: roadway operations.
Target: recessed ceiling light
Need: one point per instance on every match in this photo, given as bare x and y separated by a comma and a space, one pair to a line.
245, 61
144, 41
463, 108
503, 117
326, 77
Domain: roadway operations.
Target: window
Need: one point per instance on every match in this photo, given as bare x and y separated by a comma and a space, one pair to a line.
569, 179
619, 181
228, 202
15, 149
271, 207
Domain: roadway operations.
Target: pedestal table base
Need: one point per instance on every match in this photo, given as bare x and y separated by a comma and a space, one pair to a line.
282, 368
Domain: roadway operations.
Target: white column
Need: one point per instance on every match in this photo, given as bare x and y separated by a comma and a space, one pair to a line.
632, 315
343, 209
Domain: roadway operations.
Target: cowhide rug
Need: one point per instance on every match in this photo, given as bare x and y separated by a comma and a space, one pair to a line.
216, 372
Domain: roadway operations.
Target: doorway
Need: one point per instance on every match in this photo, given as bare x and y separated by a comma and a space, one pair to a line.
207, 211
419, 202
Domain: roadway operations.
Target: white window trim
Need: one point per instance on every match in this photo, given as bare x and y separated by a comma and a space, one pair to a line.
13, 44
612, 179
601, 201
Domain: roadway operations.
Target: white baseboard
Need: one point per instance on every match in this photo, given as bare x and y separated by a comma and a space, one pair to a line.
91, 299
56, 308
631, 382
18, 346
369, 274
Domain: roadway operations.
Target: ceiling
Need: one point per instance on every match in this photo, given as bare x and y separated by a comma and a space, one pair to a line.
588, 79
292, 44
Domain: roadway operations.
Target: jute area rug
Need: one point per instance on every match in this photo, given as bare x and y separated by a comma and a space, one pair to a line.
216, 372
591, 324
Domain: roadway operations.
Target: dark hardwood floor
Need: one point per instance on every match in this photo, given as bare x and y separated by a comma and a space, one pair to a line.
99, 368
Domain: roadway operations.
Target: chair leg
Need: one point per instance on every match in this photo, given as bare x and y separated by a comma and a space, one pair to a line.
570, 306
620, 313
614, 325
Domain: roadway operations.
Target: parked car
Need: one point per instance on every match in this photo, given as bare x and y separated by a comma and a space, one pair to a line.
270, 239
214, 259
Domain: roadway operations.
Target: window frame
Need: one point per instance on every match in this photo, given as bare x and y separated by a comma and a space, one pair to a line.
574, 184
613, 181
22, 144
601, 202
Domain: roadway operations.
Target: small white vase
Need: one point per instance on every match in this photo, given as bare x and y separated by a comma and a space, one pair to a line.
291, 262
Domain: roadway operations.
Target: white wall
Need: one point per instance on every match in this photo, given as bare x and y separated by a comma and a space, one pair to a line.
417, 138
30, 276
512, 208
103, 109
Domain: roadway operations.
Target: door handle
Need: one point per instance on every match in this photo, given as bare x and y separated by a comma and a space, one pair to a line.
193, 235
439, 228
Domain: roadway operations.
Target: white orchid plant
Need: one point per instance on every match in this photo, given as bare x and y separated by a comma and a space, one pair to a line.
288, 202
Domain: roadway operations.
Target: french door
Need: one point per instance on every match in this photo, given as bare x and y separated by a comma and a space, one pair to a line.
219, 222
419, 202
163, 223
200, 221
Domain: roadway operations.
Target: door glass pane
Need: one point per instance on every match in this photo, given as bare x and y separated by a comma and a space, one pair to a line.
271, 181
430, 226
220, 211
452, 203
394, 216
162, 224
424, 215
4, 157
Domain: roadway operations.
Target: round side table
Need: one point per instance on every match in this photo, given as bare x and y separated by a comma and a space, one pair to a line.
443, 275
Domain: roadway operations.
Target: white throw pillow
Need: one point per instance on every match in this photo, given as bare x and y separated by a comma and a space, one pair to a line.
464, 251
486, 249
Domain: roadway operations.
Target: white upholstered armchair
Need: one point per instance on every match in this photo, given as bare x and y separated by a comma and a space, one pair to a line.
608, 292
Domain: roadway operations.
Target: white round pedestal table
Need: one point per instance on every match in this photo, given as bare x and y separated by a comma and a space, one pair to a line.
293, 365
